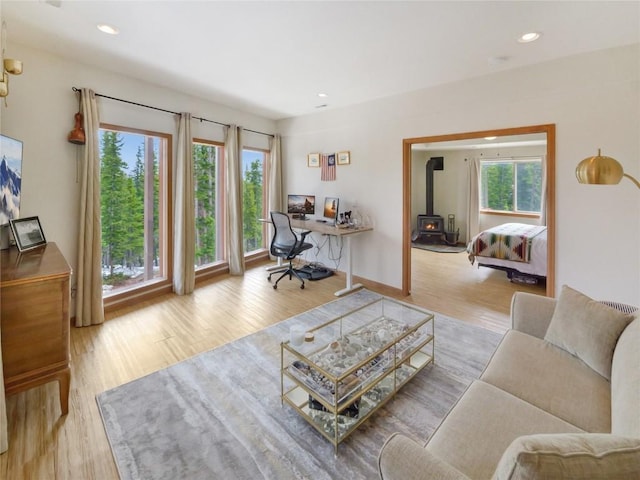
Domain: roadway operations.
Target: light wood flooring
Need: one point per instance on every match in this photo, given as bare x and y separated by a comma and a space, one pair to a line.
137, 341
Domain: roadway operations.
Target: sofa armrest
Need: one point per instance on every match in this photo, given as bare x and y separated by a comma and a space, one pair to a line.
403, 459
531, 313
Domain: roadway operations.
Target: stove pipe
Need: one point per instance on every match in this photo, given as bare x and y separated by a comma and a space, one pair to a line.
434, 163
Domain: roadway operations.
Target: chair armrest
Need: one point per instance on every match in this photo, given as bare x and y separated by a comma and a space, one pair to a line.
403, 459
531, 313
303, 235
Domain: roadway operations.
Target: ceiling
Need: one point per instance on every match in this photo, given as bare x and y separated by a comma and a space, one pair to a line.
273, 58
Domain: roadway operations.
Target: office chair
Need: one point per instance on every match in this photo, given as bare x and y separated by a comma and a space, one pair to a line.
286, 245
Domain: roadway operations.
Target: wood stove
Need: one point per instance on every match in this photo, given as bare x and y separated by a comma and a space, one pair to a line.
430, 227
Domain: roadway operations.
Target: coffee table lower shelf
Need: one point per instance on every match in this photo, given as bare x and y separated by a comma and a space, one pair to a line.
335, 426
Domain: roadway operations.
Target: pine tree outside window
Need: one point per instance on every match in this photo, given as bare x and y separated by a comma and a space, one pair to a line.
511, 185
253, 199
209, 204
133, 213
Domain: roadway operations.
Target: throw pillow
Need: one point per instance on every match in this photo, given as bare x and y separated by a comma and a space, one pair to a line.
587, 329
587, 456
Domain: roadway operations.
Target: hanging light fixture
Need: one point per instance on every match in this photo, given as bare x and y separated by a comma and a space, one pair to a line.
9, 65
601, 170
77, 135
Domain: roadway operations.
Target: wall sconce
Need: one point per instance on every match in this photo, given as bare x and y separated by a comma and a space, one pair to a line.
9, 66
601, 170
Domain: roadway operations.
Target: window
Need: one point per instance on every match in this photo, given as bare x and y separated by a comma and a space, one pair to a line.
208, 186
511, 185
133, 215
253, 198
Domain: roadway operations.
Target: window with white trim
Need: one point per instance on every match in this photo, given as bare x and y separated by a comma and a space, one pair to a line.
511, 185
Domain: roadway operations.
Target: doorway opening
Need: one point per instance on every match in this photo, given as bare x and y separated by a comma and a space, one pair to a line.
549, 191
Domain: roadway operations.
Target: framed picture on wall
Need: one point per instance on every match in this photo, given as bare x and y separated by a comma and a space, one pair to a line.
313, 160
344, 158
27, 233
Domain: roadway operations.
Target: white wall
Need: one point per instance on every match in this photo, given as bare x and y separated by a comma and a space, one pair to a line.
40, 112
592, 98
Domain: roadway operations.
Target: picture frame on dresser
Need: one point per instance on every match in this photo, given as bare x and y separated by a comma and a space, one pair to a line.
27, 232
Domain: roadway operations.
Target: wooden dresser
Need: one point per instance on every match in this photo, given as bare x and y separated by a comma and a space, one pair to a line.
34, 321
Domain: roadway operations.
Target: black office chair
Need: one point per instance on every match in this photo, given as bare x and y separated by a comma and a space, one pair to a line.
286, 245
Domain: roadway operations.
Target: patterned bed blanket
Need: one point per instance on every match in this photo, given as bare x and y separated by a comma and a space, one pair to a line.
509, 241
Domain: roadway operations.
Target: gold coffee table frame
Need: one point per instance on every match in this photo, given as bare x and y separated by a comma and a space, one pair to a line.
355, 364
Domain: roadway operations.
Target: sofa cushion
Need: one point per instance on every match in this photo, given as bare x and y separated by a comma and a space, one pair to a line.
403, 459
625, 383
476, 432
585, 456
551, 379
586, 328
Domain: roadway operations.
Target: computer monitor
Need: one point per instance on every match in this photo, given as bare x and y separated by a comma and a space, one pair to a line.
330, 211
301, 205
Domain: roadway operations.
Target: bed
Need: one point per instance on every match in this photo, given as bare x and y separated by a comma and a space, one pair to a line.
516, 248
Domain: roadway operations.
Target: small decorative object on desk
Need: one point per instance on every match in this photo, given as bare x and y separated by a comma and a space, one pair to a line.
27, 233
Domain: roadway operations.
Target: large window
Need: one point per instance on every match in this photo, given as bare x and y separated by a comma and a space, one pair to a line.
253, 198
133, 213
209, 205
513, 185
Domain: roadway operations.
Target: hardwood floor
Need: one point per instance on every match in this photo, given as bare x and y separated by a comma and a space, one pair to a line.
137, 341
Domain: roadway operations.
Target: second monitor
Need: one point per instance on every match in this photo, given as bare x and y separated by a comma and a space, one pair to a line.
330, 210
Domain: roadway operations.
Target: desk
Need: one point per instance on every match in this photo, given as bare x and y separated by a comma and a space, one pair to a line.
346, 233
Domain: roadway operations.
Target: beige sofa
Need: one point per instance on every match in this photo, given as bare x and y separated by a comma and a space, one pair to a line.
560, 398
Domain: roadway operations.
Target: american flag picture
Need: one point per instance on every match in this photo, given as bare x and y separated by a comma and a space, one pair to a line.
328, 167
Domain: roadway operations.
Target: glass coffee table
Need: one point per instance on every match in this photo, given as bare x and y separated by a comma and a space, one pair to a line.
339, 373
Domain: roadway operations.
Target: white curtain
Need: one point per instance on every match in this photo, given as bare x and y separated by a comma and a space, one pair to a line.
233, 169
184, 230
89, 308
543, 193
274, 183
473, 210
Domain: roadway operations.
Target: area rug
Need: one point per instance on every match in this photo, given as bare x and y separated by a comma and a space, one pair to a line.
218, 415
440, 248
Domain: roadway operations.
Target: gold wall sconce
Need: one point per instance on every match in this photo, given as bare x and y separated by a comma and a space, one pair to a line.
9, 66
601, 170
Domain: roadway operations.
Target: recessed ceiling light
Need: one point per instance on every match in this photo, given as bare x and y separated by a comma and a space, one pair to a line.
490, 138
110, 29
323, 95
529, 37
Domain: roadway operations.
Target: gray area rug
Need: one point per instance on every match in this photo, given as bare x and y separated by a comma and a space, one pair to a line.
218, 415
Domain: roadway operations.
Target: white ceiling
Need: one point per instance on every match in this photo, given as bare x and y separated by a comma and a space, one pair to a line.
273, 58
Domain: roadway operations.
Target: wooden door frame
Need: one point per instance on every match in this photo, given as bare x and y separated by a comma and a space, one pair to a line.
549, 129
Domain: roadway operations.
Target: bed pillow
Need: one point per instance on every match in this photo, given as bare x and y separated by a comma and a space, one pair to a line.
587, 329
570, 455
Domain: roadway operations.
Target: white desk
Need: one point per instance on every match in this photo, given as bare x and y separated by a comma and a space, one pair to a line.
329, 229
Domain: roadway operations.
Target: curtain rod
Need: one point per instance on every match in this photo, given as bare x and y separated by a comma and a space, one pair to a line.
75, 89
